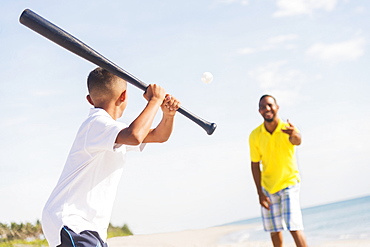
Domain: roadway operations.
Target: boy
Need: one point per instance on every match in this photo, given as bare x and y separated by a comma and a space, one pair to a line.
79, 208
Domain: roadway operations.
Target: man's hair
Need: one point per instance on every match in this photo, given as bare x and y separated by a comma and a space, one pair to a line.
100, 81
267, 95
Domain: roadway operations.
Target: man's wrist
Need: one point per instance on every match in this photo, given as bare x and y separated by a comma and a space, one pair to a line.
260, 192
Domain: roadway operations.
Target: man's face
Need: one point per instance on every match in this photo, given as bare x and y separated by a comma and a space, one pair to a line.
268, 109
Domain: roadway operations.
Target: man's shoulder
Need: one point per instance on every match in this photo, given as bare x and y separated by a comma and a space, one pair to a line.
257, 131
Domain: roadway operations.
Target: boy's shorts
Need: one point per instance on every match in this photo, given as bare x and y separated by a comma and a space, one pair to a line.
85, 239
285, 211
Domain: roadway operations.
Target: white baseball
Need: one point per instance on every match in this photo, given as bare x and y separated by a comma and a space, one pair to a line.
207, 77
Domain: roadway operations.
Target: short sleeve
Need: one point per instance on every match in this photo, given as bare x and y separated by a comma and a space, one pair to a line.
129, 148
102, 134
255, 154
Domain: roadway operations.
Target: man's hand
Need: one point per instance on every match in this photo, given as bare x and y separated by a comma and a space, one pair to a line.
170, 105
294, 136
265, 201
289, 129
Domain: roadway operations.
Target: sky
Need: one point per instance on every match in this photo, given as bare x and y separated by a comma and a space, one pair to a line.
313, 56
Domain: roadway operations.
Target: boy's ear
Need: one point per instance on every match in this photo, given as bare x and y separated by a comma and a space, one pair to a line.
122, 97
89, 99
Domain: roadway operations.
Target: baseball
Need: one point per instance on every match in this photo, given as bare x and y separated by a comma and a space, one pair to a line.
207, 77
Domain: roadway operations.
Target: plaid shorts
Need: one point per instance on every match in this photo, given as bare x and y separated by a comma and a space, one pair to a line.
285, 211
84, 239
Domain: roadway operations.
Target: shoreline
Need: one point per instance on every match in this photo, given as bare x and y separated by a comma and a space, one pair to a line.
219, 236
201, 237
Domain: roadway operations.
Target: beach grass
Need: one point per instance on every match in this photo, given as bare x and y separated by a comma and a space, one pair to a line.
116, 231
24, 243
31, 235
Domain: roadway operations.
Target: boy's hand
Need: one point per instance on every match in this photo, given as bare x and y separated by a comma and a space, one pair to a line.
170, 105
154, 92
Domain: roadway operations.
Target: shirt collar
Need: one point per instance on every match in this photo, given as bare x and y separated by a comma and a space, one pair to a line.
98, 111
279, 126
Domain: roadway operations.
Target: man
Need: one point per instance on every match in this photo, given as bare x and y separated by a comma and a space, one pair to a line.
78, 211
277, 178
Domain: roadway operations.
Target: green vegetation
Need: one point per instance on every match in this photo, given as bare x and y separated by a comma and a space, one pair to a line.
115, 231
31, 235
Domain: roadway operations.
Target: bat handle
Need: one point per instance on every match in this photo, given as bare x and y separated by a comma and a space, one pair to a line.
207, 126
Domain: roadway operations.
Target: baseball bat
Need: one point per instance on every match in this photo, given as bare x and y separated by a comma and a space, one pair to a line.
71, 43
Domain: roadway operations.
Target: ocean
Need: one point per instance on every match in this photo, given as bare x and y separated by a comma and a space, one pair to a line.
349, 219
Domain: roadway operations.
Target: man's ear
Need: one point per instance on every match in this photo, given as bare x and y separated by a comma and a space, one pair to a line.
89, 99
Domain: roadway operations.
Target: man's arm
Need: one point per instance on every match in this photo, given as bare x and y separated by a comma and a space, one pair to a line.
295, 138
256, 172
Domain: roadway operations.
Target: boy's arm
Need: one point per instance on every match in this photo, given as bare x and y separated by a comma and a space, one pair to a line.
140, 127
164, 129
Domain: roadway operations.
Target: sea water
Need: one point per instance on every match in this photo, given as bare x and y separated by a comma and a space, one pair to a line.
348, 219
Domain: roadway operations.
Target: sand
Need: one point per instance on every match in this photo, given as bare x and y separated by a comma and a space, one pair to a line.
211, 237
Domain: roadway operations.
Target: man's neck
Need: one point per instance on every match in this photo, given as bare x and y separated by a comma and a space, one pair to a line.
271, 126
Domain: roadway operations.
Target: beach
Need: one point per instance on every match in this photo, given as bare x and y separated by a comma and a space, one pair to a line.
339, 224
221, 236
209, 237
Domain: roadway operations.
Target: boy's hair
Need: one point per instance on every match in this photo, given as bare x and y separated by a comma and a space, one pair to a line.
100, 81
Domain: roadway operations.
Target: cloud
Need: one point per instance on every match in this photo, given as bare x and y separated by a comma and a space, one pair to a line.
282, 38
338, 52
275, 42
302, 7
45, 92
360, 10
242, 2
247, 50
278, 79
13, 121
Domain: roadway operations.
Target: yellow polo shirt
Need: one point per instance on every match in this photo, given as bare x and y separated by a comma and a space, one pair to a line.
277, 156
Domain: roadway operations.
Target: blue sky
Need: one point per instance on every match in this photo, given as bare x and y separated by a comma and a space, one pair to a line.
313, 56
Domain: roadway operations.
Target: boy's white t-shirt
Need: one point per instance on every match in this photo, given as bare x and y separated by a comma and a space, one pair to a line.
84, 195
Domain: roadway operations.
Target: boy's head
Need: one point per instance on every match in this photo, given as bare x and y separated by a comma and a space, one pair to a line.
105, 87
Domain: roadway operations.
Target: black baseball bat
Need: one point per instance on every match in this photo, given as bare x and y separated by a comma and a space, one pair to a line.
69, 42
